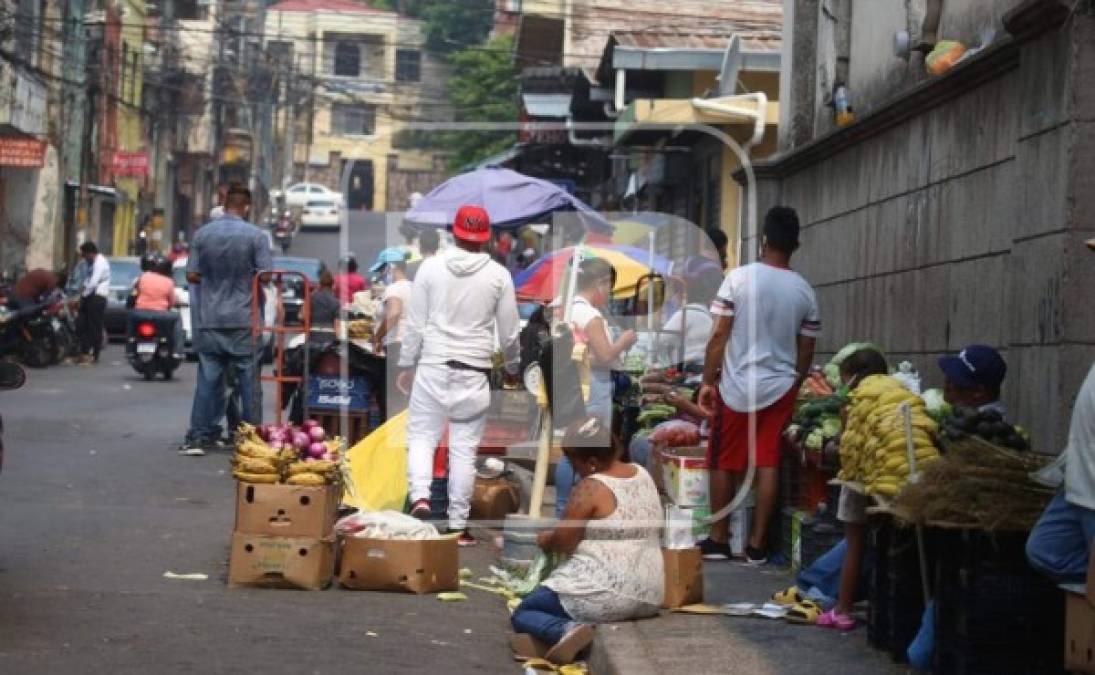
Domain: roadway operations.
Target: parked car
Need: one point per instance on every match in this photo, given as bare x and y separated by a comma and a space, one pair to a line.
292, 291
124, 270
300, 194
320, 213
182, 299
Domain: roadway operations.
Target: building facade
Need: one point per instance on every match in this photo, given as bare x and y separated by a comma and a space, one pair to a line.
954, 208
362, 75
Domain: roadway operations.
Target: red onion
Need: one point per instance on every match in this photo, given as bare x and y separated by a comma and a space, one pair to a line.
317, 450
317, 434
301, 440
330, 457
308, 425
264, 432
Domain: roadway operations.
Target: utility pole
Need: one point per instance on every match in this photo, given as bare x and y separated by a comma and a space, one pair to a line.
290, 138
94, 34
311, 107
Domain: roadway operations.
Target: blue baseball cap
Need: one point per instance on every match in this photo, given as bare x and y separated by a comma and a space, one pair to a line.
975, 366
388, 255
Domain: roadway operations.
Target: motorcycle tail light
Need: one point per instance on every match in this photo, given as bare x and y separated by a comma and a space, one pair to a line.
146, 330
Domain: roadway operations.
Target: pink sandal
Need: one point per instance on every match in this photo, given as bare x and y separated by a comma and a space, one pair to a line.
831, 619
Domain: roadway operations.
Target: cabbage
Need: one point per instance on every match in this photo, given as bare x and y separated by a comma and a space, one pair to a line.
830, 427
852, 348
815, 440
935, 404
832, 374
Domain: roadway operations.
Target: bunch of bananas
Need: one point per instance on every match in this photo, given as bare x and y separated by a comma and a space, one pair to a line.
359, 329
255, 461
873, 448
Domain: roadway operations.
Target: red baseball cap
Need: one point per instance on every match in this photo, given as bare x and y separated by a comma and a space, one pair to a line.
471, 224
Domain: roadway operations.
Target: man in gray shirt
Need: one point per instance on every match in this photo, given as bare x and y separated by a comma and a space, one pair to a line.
225, 256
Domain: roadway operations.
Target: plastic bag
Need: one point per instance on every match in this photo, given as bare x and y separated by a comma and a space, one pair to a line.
943, 57
378, 468
908, 377
385, 525
676, 434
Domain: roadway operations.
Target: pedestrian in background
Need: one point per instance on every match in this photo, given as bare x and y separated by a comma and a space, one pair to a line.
93, 295
429, 241
348, 281
224, 258
388, 337
325, 305
461, 300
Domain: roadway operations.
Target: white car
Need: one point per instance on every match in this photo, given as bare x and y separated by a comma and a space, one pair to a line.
300, 194
182, 301
320, 213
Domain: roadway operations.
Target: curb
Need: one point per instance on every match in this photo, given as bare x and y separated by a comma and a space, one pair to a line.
618, 649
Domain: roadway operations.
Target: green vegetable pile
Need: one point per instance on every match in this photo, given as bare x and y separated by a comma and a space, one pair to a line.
817, 421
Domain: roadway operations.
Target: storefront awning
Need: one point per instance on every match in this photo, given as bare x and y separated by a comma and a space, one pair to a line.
547, 105
100, 190
652, 118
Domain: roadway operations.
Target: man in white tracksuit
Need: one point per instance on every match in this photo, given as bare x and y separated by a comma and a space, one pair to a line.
459, 300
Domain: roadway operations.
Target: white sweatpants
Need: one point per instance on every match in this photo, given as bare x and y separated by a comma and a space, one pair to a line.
461, 398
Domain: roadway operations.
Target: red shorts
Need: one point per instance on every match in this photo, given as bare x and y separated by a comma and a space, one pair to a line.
728, 447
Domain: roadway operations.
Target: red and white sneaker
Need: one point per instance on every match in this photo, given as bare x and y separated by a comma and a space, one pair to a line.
421, 509
465, 539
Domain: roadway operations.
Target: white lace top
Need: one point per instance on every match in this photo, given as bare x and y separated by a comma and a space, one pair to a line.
616, 572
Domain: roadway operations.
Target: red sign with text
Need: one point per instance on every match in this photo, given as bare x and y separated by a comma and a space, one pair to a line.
29, 153
130, 163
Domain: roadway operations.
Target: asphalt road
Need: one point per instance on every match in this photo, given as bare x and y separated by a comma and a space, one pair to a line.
96, 504
366, 234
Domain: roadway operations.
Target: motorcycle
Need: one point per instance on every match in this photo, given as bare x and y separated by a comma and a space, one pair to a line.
283, 231
150, 343
12, 376
28, 333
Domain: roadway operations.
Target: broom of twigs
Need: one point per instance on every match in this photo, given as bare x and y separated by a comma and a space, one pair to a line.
979, 485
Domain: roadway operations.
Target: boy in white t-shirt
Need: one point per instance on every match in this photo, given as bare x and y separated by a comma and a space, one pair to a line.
766, 326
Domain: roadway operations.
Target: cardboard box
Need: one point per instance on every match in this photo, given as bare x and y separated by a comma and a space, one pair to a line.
685, 475
281, 562
425, 566
683, 577
286, 510
493, 499
1079, 634
1080, 624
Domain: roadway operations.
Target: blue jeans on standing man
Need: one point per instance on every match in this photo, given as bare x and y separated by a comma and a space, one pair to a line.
542, 616
1059, 546
220, 352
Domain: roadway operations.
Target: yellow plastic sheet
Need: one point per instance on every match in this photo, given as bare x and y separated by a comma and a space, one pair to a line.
378, 468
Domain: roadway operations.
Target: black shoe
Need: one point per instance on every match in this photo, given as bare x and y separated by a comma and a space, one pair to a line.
421, 509
755, 556
713, 550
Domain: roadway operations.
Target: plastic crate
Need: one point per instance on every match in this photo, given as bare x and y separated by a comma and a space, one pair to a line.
993, 613
904, 591
878, 602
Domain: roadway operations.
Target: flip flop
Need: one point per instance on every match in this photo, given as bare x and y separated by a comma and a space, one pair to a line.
805, 612
788, 597
831, 619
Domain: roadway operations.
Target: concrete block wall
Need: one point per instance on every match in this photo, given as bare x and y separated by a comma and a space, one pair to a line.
965, 223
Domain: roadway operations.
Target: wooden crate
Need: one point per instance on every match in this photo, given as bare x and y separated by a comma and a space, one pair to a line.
353, 427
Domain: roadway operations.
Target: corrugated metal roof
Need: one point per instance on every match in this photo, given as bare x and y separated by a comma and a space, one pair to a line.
654, 39
350, 6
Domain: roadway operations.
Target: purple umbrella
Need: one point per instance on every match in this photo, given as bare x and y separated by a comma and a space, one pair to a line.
512, 199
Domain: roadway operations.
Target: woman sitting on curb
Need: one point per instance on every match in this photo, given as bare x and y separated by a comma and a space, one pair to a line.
610, 533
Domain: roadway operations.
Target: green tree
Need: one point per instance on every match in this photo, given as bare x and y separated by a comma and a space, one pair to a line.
451, 25
482, 88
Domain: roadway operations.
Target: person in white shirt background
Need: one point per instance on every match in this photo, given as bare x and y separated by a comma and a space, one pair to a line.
388, 337
596, 279
1059, 546
765, 331
460, 300
702, 279
93, 295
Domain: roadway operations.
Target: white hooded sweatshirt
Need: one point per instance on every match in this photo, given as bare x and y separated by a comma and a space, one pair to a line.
458, 300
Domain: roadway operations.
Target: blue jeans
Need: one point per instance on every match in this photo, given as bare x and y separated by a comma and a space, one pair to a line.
1060, 543
542, 616
824, 573
640, 450
221, 351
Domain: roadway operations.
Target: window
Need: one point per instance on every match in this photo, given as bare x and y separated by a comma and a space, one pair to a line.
408, 65
281, 53
316, 190
353, 119
347, 59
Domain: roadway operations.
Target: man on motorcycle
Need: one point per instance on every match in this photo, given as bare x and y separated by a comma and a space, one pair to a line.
154, 291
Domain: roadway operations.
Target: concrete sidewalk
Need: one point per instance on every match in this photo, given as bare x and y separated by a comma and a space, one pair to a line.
682, 643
